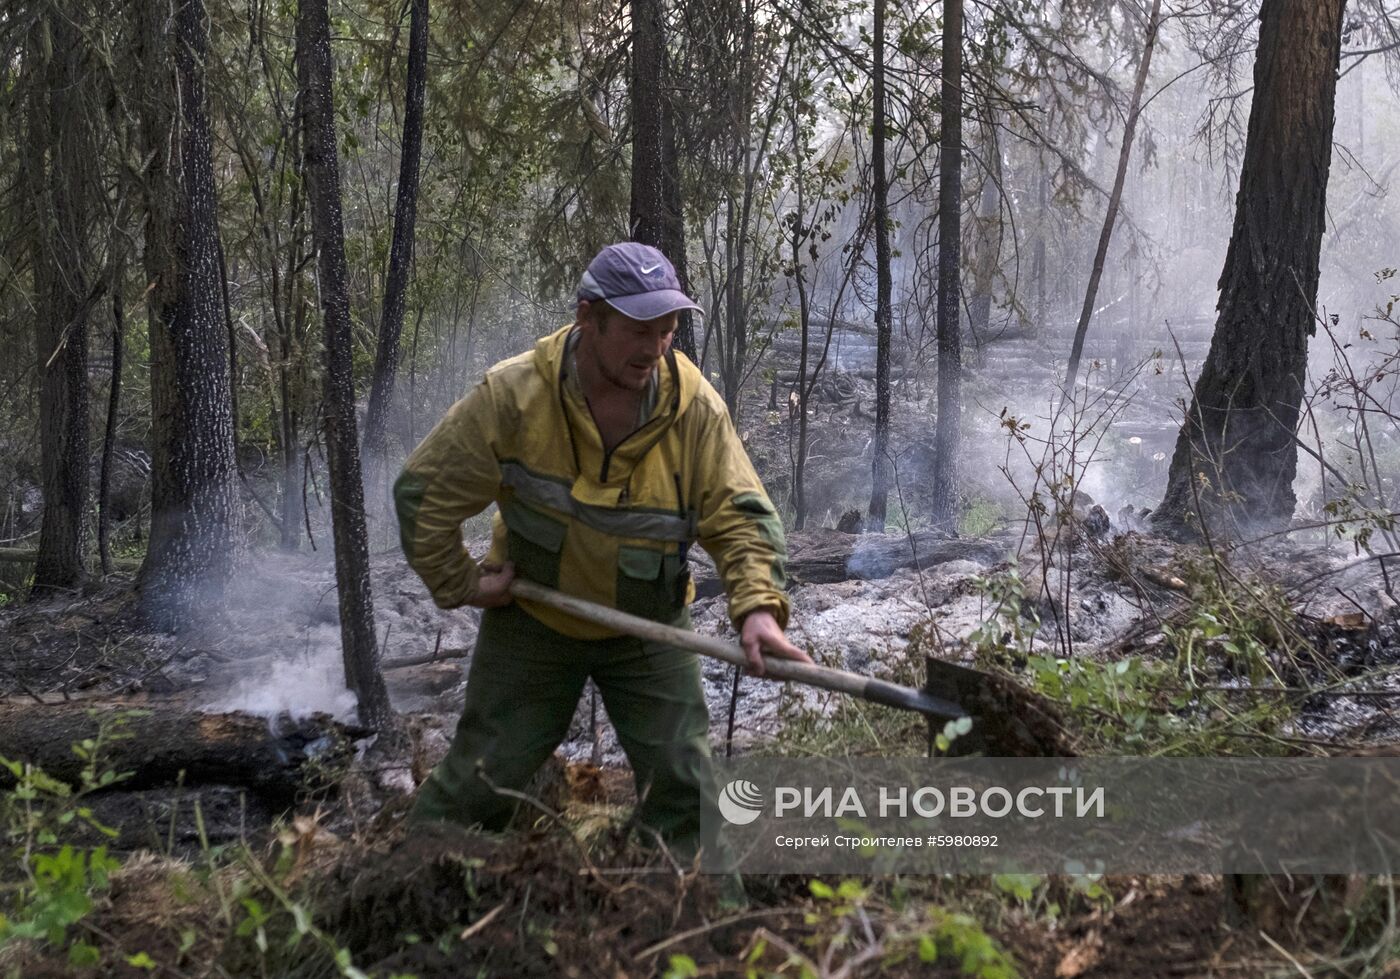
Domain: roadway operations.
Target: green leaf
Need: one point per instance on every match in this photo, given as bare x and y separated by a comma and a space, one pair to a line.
682, 967
83, 954
756, 953
1020, 886
141, 961
821, 890
928, 949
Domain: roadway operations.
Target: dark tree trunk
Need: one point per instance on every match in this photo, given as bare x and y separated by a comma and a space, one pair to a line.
648, 212
1236, 453
657, 218
315, 72
735, 350
190, 553
1115, 199
946, 435
673, 243
289, 427
800, 390
109, 436
61, 192
289, 417
880, 464
803, 392
386, 359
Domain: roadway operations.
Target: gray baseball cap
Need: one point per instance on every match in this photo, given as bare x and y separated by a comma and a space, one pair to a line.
636, 280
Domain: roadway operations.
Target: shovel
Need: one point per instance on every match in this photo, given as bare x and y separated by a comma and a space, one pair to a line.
1012, 721
867, 688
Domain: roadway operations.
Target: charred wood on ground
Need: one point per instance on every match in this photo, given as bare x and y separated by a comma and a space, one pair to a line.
180, 746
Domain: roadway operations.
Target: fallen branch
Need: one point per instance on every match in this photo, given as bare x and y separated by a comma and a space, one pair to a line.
828, 556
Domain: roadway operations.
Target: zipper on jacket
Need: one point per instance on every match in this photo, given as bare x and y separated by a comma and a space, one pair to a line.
675, 409
608, 454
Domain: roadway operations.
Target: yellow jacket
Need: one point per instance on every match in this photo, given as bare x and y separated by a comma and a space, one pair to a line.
610, 528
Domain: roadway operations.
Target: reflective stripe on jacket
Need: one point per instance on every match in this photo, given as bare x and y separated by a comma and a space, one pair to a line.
611, 528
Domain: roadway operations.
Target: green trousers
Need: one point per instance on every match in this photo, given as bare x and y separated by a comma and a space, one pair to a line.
523, 687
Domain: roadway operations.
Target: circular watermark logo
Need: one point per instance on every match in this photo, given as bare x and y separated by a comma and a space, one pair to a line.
741, 802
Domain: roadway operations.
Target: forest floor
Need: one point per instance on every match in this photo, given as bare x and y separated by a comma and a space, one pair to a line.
211, 883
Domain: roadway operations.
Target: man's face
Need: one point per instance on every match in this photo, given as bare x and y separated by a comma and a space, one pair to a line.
625, 351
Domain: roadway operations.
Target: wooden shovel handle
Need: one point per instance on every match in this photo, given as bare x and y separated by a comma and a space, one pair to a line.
867, 688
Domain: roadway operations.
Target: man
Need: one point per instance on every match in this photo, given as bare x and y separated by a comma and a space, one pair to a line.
608, 455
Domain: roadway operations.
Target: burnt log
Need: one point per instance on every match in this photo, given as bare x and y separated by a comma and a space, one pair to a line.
167, 745
826, 556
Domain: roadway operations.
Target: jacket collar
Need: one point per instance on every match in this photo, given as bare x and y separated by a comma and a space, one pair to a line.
673, 396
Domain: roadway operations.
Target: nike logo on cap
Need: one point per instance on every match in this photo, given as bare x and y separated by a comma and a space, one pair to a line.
648, 271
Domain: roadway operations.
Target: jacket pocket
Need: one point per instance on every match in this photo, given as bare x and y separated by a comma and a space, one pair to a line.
649, 583
534, 541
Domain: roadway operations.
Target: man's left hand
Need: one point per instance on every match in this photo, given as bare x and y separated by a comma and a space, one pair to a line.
762, 634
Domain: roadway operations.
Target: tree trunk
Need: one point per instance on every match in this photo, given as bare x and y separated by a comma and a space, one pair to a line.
979, 310
1115, 199
386, 359
190, 553
736, 338
673, 243
947, 432
801, 391
744, 161
315, 72
1236, 455
1038, 267
657, 218
289, 417
109, 436
61, 194
880, 464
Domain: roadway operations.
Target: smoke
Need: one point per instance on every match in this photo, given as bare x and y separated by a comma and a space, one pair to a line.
276, 642
280, 649
307, 683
